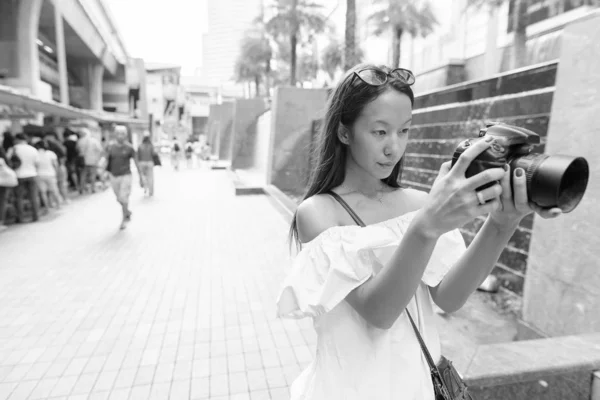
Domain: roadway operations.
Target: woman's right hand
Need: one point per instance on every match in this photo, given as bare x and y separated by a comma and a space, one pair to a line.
452, 201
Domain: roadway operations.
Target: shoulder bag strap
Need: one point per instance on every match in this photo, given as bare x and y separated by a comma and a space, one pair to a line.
359, 221
349, 209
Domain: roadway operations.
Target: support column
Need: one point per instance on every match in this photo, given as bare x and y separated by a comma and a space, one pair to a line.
19, 22
61, 54
91, 75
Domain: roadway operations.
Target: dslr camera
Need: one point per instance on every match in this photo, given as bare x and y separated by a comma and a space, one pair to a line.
552, 181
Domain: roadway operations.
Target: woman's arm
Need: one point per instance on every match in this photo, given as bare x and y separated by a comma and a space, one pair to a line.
473, 267
382, 298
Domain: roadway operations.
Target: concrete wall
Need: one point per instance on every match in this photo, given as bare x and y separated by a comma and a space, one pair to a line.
562, 290
245, 136
212, 127
294, 109
226, 131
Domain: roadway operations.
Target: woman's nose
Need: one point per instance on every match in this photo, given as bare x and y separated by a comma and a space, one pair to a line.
393, 146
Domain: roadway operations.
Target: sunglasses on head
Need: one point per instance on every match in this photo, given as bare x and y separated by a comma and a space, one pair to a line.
377, 77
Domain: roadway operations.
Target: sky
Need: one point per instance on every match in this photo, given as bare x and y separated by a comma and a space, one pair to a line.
166, 31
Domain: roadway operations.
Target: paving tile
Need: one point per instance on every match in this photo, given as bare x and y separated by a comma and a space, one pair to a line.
219, 385
21, 390
123, 325
160, 391
180, 390
238, 383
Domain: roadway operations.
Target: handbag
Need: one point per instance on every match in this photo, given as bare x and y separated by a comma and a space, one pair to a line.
156, 159
8, 177
447, 383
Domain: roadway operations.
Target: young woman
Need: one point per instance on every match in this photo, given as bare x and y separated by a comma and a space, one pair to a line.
146, 160
356, 282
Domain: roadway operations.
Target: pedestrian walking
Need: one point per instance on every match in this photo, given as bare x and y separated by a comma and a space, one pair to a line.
60, 150
175, 154
374, 256
90, 150
47, 172
189, 152
24, 158
72, 161
119, 157
146, 159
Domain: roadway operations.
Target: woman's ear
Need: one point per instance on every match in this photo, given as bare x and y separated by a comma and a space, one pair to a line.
343, 134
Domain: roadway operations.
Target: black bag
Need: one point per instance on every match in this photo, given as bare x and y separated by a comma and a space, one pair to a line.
14, 161
447, 383
156, 159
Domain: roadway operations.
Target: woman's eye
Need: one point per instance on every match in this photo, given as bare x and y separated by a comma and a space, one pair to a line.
379, 132
405, 131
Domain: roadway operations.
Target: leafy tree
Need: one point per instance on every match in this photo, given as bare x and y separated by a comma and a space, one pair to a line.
253, 63
331, 58
402, 16
295, 21
307, 67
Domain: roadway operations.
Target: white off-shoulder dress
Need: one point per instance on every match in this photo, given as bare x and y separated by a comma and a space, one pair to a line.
355, 360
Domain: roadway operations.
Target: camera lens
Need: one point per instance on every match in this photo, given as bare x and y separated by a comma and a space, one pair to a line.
554, 181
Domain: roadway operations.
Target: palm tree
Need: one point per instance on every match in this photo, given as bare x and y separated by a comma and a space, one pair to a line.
331, 58
297, 21
350, 35
412, 16
253, 63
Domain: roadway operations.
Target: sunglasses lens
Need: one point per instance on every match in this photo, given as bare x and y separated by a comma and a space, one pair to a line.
372, 76
405, 75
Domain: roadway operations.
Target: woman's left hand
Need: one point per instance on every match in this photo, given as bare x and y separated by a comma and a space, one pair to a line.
514, 202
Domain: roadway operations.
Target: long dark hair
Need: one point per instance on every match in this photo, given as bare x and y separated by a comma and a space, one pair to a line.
344, 106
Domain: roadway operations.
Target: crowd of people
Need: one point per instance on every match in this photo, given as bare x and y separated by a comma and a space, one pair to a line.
45, 172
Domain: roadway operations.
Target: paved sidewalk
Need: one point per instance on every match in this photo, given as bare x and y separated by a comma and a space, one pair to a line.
180, 305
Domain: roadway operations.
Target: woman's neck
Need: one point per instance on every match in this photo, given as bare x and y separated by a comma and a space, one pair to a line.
357, 179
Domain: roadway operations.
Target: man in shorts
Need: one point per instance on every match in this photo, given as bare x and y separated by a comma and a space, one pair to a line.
119, 156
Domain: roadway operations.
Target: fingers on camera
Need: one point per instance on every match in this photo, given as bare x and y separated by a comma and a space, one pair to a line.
470, 154
485, 177
520, 190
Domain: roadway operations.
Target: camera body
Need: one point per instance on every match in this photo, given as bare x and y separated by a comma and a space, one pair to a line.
509, 142
552, 181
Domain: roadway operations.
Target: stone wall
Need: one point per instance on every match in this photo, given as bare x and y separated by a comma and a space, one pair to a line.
444, 118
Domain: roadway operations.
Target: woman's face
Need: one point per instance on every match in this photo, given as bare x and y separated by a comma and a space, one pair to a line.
379, 136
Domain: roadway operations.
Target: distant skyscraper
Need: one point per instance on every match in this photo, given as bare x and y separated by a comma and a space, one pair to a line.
227, 22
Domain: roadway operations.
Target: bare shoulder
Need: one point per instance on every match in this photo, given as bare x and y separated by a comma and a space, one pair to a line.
315, 215
412, 199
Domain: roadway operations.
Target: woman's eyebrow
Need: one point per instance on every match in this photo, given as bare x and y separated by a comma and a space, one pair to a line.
380, 121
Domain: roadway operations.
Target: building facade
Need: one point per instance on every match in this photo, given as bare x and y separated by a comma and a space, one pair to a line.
228, 20
169, 104
66, 60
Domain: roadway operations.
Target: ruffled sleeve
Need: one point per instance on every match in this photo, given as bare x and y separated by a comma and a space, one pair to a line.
327, 270
448, 250
343, 258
